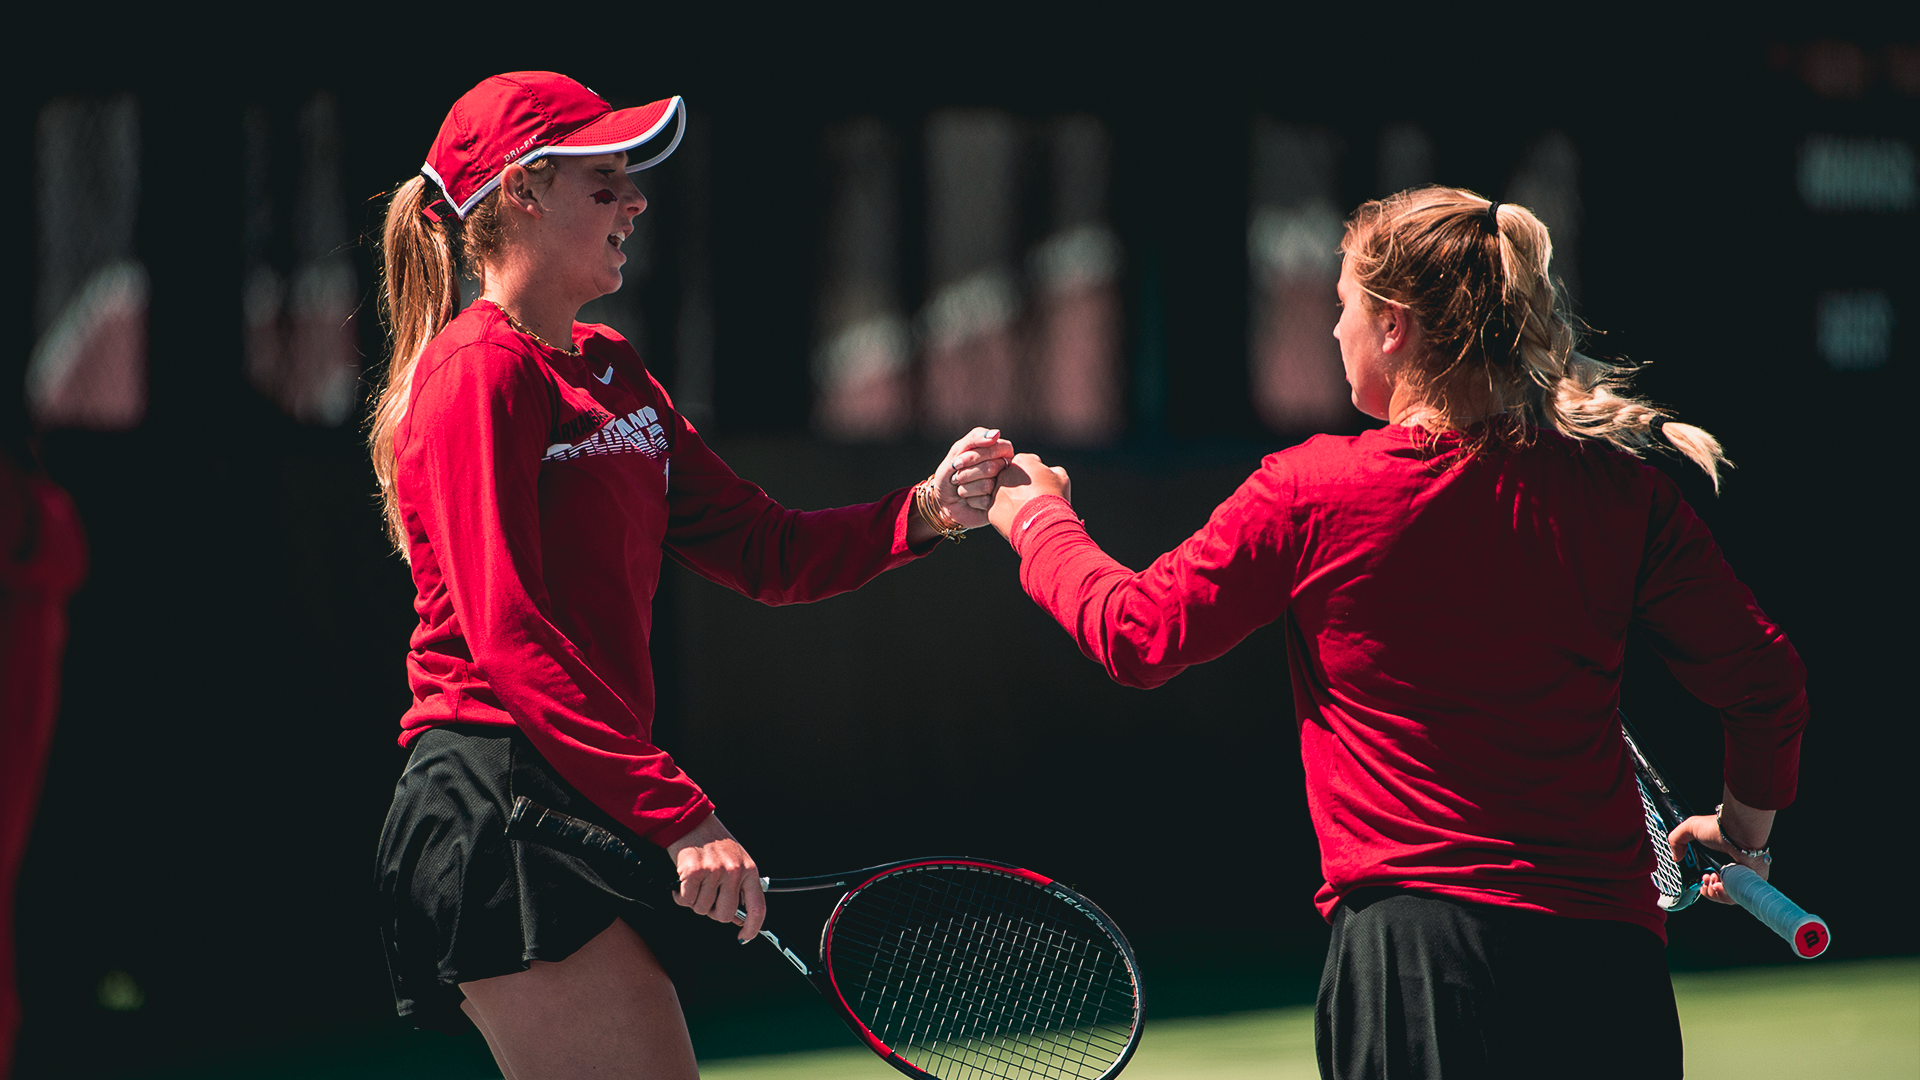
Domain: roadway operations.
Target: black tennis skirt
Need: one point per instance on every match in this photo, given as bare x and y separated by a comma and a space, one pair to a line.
458, 901
1430, 986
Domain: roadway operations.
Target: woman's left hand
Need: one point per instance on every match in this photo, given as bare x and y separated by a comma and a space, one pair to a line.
1025, 479
965, 479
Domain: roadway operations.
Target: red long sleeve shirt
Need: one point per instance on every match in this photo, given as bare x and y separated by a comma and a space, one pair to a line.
1455, 639
539, 491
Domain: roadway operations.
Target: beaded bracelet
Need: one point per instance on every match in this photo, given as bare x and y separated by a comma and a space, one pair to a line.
935, 515
1764, 854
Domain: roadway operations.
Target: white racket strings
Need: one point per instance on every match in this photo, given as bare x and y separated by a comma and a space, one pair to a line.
970, 972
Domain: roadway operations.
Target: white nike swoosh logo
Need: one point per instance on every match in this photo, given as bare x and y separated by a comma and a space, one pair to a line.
607, 378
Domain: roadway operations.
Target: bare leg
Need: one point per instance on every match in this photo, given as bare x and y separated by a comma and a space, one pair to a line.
607, 1011
480, 1022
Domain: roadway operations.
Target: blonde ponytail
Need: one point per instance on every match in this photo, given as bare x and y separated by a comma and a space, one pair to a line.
1591, 402
421, 260
1498, 338
420, 294
1698, 446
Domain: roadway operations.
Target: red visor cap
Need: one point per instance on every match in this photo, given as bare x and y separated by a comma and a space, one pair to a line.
522, 116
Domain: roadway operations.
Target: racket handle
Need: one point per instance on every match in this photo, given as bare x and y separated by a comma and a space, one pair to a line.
530, 821
1807, 934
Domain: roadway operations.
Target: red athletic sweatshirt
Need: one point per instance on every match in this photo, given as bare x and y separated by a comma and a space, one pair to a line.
1455, 638
539, 491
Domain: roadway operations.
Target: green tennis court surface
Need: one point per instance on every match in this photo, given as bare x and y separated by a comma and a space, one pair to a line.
1858, 1020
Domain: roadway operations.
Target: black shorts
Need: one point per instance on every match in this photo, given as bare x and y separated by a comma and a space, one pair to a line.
1421, 986
458, 901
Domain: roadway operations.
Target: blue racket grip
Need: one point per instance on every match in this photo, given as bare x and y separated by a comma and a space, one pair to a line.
1807, 934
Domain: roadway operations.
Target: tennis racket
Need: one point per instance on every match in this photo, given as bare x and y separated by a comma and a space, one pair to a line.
955, 969
1679, 882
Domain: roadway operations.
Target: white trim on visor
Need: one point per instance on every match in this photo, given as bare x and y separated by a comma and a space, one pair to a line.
676, 107
426, 167
679, 107
460, 209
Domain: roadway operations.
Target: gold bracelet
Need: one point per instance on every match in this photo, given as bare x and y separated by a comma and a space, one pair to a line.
935, 515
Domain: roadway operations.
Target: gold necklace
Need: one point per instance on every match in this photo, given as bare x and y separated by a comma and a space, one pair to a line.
518, 325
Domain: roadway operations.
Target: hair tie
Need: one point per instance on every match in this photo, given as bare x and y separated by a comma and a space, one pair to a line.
1656, 427
433, 211
1493, 218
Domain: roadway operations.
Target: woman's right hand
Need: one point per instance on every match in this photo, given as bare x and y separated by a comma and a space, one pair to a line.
718, 877
1021, 482
965, 477
1747, 823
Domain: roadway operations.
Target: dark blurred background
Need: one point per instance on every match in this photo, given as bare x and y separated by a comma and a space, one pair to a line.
1111, 236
